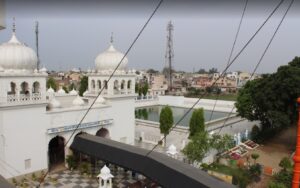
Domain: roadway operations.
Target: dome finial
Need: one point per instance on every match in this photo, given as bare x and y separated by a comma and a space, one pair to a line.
112, 37
14, 25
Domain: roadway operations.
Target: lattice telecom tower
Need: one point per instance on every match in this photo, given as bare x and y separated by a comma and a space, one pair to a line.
169, 53
37, 44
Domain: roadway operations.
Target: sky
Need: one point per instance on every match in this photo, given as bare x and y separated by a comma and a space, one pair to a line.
73, 33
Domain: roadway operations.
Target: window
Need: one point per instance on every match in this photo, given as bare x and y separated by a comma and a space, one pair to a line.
27, 164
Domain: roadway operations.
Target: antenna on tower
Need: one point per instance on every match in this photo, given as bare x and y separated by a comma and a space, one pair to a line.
169, 53
37, 43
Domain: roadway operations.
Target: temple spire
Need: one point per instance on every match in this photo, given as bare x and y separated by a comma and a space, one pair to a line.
14, 25
112, 38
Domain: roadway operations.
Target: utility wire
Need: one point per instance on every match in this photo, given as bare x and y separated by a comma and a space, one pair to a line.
14, 169
112, 74
262, 56
230, 55
224, 71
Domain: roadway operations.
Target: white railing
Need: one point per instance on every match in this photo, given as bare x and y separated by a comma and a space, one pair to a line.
145, 98
12, 98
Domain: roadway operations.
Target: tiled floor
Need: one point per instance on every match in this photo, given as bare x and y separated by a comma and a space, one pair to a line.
73, 179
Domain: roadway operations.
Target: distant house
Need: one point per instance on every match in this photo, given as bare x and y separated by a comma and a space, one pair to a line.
158, 85
2, 15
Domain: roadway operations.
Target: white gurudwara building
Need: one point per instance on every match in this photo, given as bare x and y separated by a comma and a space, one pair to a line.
36, 122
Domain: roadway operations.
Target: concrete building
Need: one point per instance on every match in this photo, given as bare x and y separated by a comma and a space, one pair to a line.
2, 15
158, 85
36, 123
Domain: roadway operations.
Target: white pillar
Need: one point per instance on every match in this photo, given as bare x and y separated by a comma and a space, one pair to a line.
172, 151
105, 178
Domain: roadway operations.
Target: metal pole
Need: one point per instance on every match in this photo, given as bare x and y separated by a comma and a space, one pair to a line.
296, 158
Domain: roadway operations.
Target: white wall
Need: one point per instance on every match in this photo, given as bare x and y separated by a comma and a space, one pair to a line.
24, 136
124, 121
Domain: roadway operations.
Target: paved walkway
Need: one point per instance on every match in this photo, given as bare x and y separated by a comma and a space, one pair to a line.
73, 179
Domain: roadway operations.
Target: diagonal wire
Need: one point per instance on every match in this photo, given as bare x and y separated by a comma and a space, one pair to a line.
230, 55
224, 71
112, 74
263, 55
17, 172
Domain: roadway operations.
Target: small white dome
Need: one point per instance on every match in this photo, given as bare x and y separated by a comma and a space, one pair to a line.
105, 170
100, 99
109, 59
86, 92
73, 92
50, 90
43, 69
35, 71
172, 150
61, 91
105, 173
78, 101
54, 103
16, 55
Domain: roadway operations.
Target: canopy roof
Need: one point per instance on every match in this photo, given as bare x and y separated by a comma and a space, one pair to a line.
4, 183
165, 170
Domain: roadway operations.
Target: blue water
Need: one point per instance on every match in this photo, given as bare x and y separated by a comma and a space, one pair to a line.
151, 113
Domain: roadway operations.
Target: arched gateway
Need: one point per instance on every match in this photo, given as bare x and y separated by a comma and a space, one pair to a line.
56, 152
103, 133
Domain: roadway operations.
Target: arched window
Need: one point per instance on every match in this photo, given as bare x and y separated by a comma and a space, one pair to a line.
123, 84
105, 84
102, 182
129, 84
116, 84
12, 89
99, 84
24, 88
93, 84
36, 87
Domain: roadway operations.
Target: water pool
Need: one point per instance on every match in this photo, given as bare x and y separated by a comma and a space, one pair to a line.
151, 113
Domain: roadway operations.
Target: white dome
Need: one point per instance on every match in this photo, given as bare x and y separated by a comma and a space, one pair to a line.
109, 59
43, 69
50, 90
78, 101
73, 92
105, 170
105, 173
172, 150
86, 92
16, 55
54, 103
61, 91
100, 99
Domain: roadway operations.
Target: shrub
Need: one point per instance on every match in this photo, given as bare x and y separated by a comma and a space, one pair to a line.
71, 162
85, 168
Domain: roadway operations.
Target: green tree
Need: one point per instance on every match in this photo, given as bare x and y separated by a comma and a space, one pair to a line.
285, 164
254, 156
51, 83
165, 121
271, 99
221, 143
255, 172
255, 132
72, 86
212, 70
202, 71
83, 85
198, 147
145, 88
65, 89
197, 122
152, 71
